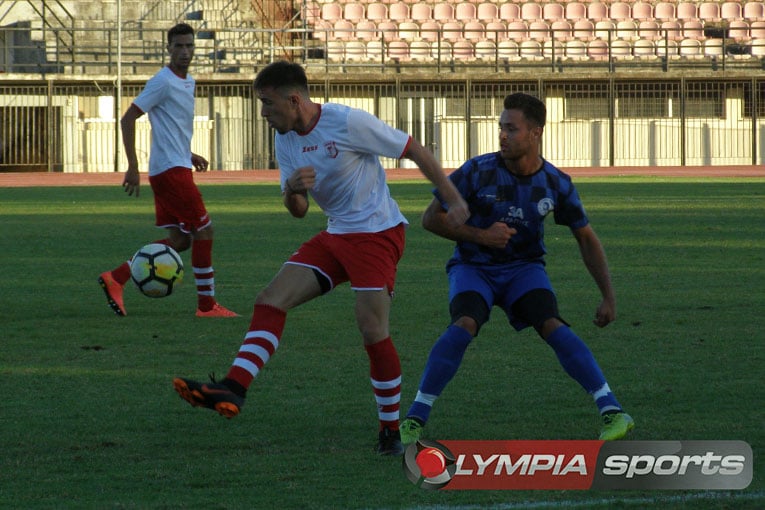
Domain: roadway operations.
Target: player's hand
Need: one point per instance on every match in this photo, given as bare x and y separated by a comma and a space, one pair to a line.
497, 235
458, 213
301, 180
200, 164
132, 181
605, 314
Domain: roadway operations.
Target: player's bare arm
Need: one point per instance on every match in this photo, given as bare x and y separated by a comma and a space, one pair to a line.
132, 181
458, 209
435, 220
296, 190
199, 163
594, 257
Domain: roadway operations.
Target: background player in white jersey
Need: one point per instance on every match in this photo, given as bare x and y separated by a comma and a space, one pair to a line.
168, 98
331, 152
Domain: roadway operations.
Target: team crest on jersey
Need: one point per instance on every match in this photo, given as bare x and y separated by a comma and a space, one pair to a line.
544, 206
331, 149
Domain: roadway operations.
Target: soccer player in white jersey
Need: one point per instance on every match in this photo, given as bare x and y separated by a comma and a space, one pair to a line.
168, 98
331, 153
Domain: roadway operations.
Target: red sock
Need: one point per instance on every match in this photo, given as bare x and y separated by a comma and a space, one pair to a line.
121, 274
204, 275
259, 345
385, 373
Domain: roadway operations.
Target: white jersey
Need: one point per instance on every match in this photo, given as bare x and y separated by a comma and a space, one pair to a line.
344, 148
169, 101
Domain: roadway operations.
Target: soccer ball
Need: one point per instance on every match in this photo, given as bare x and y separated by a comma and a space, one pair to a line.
156, 269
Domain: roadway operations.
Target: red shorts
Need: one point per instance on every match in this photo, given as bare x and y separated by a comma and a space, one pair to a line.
177, 200
368, 261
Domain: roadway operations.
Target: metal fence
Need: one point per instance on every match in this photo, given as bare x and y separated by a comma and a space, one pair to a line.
71, 125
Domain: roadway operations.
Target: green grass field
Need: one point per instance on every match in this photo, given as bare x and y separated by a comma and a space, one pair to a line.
89, 418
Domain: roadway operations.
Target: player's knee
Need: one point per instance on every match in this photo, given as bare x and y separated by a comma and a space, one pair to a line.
468, 324
469, 311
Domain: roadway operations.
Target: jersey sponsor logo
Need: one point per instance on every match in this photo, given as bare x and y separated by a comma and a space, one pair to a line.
310, 148
544, 206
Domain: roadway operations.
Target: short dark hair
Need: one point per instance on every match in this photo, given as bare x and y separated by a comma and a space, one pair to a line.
179, 29
532, 107
281, 75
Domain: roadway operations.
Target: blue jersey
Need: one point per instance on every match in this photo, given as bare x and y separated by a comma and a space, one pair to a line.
494, 194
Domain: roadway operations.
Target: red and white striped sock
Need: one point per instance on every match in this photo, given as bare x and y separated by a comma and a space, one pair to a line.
204, 275
385, 374
259, 345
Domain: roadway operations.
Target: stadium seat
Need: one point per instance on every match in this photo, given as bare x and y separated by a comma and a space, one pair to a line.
465, 11
754, 11
597, 49
531, 50
442, 51
713, 48
451, 30
409, 30
463, 50
366, 30
343, 30
621, 49
508, 50
738, 30
485, 50
561, 30
531, 11
419, 51
644, 49
517, 30
539, 30
642, 11
487, 11
473, 30
398, 11
331, 12
673, 29
758, 48
430, 30
693, 29
667, 48
575, 11
597, 11
355, 51
554, 49
626, 30
398, 50
421, 12
649, 29
664, 11
377, 11
509, 12
496, 31
576, 49
552, 11
353, 11
322, 30
691, 48
388, 30
584, 30
605, 29
335, 50
374, 51
757, 30
620, 11
731, 10
443, 11
687, 10
311, 12
709, 11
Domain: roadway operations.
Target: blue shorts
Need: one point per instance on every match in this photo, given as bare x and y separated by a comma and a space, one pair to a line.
499, 286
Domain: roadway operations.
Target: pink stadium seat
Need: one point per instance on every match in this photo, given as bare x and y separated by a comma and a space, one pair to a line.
429, 30
690, 48
621, 49
539, 30
419, 50
311, 12
575, 11
335, 51
584, 30
649, 29
366, 30
605, 29
353, 11
343, 30
664, 11
485, 50
738, 30
673, 29
517, 30
561, 30
508, 50
409, 30
597, 49
451, 30
754, 11
473, 30
531, 50
509, 12
331, 12
398, 11
757, 30
496, 31
398, 50
377, 11
322, 30
465, 11
620, 11
642, 11
554, 49
463, 50
731, 10
576, 49
442, 51
487, 11
693, 29
531, 11
713, 48
443, 11
597, 11
709, 11
388, 30
374, 51
626, 30
667, 48
552, 11
758, 47
687, 10
355, 51
421, 12
643, 49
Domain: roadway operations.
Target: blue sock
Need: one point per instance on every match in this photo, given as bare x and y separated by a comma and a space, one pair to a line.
578, 362
444, 360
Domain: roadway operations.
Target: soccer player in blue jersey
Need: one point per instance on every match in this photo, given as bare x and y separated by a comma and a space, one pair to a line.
499, 261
